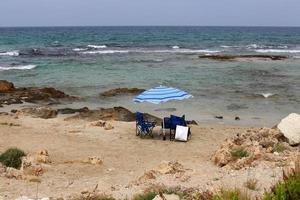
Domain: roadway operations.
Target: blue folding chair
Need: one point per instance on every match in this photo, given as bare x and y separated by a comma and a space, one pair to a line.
172, 122
143, 127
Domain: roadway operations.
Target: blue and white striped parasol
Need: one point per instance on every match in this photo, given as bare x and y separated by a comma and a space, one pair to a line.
161, 94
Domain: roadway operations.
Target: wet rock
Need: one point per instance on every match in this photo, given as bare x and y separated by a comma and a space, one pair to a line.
121, 91
12, 95
39, 112
243, 57
108, 114
290, 127
237, 118
219, 117
72, 110
6, 86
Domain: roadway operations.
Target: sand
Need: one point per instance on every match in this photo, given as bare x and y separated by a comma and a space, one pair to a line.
125, 156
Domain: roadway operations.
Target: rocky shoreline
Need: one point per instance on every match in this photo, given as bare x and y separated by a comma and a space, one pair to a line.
9, 94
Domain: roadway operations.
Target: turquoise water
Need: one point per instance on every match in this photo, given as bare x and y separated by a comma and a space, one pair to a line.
85, 61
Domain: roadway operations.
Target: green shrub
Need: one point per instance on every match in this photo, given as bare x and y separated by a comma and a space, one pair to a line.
235, 194
145, 196
287, 190
278, 148
239, 153
12, 158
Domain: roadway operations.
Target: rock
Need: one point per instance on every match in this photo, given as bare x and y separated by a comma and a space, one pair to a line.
11, 95
290, 127
99, 123
93, 160
192, 122
108, 126
2, 169
6, 86
72, 111
171, 167
108, 114
13, 173
237, 118
42, 156
40, 112
243, 57
121, 91
219, 117
166, 197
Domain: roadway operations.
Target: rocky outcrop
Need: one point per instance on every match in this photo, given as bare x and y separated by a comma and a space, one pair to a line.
243, 57
39, 112
6, 86
107, 114
246, 149
11, 95
104, 124
72, 110
290, 127
121, 91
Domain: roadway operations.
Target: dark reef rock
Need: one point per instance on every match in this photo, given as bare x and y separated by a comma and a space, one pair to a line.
6, 86
237, 57
121, 91
72, 110
40, 112
115, 113
11, 95
219, 117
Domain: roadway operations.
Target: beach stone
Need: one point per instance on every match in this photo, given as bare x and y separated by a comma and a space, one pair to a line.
6, 86
93, 160
40, 112
166, 197
108, 126
121, 91
171, 167
290, 127
13, 173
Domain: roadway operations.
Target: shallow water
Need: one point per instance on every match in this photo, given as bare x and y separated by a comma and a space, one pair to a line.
86, 61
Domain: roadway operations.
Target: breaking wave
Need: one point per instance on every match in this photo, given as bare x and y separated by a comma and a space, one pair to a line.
105, 52
9, 53
277, 51
175, 47
96, 46
17, 67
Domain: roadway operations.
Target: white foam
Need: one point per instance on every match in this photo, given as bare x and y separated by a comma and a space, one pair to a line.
105, 52
277, 51
97, 46
9, 53
267, 95
18, 67
80, 49
226, 46
179, 51
175, 47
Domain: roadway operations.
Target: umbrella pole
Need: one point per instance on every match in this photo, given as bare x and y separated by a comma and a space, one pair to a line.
164, 133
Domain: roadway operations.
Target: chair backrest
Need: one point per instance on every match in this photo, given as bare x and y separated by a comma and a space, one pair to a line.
175, 120
139, 118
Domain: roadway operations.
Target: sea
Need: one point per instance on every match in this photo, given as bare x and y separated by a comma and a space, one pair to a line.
85, 61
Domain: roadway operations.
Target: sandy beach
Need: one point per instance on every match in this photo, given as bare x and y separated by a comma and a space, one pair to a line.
125, 158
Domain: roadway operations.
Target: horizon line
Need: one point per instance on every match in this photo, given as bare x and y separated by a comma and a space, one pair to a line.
242, 26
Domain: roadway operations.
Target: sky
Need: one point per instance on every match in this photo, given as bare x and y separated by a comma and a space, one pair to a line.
149, 12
